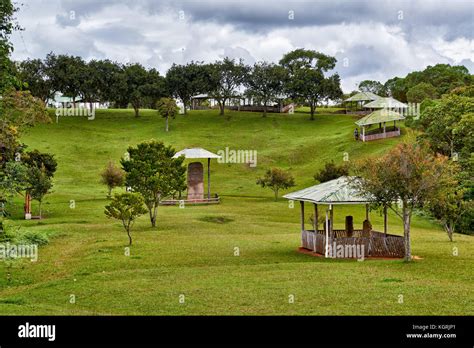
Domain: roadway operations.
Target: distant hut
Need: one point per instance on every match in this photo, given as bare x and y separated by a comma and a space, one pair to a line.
354, 104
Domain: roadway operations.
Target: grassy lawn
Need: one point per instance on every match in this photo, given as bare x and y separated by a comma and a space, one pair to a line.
191, 251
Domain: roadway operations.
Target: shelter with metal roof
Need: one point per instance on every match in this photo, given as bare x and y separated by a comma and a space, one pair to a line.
386, 103
325, 241
380, 117
354, 104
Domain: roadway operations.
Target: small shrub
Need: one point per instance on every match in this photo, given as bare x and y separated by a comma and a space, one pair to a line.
34, 237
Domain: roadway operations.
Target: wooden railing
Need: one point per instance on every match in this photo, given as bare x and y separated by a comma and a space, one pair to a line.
375, 244
376, 136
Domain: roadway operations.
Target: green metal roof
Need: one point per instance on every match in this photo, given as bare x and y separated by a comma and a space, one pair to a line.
337, 191
379, 116
388, 103
363, 96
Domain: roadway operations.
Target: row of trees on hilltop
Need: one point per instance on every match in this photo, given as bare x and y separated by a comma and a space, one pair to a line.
430, 83
301, 75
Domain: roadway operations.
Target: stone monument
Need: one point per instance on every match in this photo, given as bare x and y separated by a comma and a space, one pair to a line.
195, 181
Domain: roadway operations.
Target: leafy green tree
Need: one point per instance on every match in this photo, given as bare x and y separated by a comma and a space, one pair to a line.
39, 185
276, 179
33, 73
167, 109
409, 174
185, 81
7, 26
136, 77
331, 171
41, 169
66, 74
306, 80
448, 125
126, 207
373, 86
152, 171
265, 83
420, 92
224, 78
112, 176
13, 178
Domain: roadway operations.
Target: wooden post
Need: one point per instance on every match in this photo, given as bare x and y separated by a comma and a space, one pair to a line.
208, 178
331, 219
385, 220
384, 130
367, 212
316, 218
363, 133
302, 215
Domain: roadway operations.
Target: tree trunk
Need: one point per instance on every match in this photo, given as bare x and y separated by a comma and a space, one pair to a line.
312, 107
137, 110
276, 195
449, 230
110, 192
40, 215
265, 110
91, 106
129, 237
167, 123
406, 232
221, 107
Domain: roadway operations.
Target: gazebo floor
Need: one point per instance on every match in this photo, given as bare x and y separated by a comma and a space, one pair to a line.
359, 244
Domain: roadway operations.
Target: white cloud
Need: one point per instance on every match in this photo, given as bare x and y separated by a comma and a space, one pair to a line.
158, 37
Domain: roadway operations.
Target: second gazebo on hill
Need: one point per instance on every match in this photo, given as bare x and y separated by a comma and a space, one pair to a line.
380, 117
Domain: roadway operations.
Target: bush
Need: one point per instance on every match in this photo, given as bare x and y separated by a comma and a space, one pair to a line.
331, 171
34, 237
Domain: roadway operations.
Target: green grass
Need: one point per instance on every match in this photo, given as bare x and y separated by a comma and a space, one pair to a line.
191, 251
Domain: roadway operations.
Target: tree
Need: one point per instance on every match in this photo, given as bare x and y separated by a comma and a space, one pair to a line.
265, 83
13, 179
276, 179
331, 171
152, 171
184, 81
7, 26
136, 77
410, 174
224, 78
167, 109
306, 80
448, 125
449, 208
420, 92
373, 87
113, 177
66, 74
33, 74
41, 169
126, 207
39, 184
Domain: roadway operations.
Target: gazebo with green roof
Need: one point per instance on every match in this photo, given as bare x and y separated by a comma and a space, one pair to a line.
360, 99
380, 117
386, 103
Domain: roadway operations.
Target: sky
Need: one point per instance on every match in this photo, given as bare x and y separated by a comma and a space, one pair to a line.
371, 39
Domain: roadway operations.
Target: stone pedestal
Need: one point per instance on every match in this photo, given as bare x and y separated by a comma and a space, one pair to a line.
195, 181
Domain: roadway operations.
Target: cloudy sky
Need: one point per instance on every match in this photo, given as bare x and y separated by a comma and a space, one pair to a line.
372, 39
